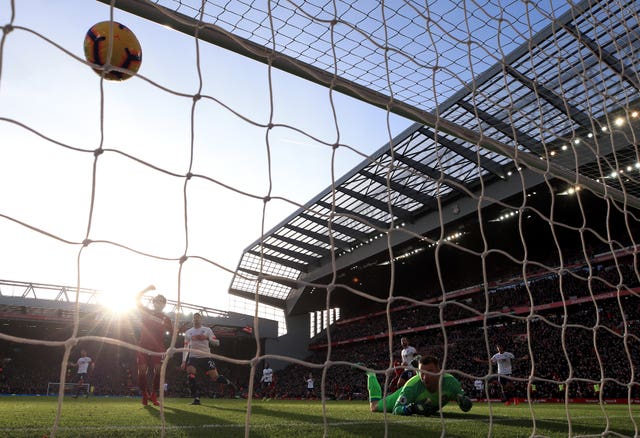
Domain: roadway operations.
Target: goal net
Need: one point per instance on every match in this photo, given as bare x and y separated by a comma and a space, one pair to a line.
463, 174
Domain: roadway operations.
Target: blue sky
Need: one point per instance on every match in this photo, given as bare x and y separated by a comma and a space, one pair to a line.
48, 186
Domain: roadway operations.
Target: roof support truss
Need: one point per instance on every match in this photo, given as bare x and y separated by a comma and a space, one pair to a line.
320, 251
560, 104
399, 212
358, 235
428, 201
285, 262
319, 237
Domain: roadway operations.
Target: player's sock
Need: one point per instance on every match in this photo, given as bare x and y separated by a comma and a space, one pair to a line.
226, 381
223, 379
156, 383
142, 382
193, 386
373, 386
156, 389
505, 395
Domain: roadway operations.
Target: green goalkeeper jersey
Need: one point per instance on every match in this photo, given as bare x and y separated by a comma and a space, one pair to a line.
414, 391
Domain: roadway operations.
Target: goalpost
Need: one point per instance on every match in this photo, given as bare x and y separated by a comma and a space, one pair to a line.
478, 106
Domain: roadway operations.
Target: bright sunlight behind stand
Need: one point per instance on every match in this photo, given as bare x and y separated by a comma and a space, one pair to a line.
118, 301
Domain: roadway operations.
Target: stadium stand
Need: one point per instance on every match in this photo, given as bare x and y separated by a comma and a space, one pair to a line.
46, 312
571, 315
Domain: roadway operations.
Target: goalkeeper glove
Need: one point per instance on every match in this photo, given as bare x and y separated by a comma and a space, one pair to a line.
423, 408
411, 409
465, 403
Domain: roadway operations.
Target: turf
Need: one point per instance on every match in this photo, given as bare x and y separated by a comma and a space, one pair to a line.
126, 417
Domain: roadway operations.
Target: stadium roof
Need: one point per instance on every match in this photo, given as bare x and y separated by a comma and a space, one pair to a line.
26, 306
550, 96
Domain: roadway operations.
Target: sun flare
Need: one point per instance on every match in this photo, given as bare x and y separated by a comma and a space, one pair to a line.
118, 301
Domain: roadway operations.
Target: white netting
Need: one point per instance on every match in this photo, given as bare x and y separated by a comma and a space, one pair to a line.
476, 164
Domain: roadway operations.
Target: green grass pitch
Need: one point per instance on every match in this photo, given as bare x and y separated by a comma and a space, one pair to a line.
126, 417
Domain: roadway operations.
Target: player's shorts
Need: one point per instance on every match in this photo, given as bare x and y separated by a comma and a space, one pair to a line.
82, 378
502, 378
148, 359
266, 385
201, 363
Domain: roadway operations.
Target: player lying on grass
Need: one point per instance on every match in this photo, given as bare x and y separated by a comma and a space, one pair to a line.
420, 394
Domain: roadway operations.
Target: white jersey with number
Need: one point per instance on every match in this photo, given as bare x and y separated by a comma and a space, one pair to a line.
197, 341
504, 362
267, 375
408, 354
478, 384
83, 364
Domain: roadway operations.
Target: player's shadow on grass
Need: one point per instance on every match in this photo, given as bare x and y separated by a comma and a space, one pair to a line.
555, 427
194, 424
223, 408
356, 426
206, 423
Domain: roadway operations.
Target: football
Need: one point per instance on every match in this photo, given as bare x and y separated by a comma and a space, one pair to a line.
126, 52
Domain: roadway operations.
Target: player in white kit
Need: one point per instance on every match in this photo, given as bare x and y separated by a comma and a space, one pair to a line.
503, 359
82, 376
409, 357
197, 340
266, 381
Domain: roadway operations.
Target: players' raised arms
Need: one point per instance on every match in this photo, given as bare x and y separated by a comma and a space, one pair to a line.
142, 292
522, 358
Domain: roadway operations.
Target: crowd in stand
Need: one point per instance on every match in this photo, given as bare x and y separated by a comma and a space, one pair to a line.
576, 346
576, 359
501, 299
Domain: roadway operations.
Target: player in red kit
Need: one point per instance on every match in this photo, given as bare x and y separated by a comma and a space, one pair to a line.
154, 326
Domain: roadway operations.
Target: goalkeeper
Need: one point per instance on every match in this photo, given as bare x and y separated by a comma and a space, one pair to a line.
420, 394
